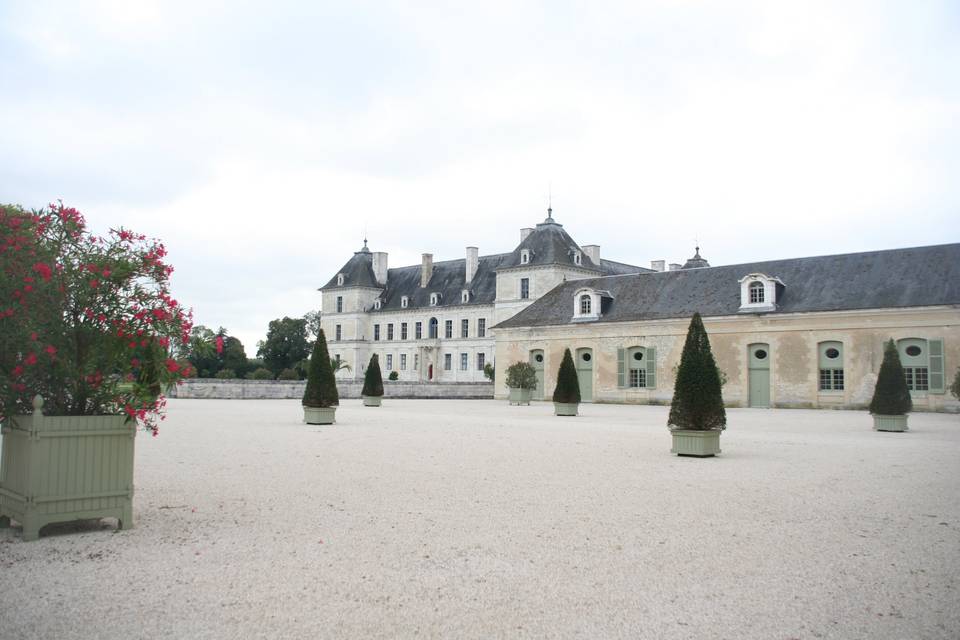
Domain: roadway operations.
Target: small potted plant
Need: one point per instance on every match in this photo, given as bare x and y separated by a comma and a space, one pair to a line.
372, 392
697, 415
87, 329
320, 399
566, 395
891, 398
521, 380
393, 377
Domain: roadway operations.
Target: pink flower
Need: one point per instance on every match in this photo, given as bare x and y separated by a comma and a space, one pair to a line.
44, 270
172, 365
52, 350
30, 359
219, 344
18, 371
94, 283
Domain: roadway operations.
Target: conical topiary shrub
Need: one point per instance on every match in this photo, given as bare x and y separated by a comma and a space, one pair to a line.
697, 404
320, 398
891, 398
566, 395
372, 383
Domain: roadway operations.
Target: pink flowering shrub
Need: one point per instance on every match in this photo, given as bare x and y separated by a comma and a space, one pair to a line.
87, 322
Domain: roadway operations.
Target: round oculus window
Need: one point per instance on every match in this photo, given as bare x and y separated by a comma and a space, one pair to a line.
760, 354
586, 357
638, 356
832, 353
913, 350
538, 357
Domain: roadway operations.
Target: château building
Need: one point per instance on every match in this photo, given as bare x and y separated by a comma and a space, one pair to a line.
800, 332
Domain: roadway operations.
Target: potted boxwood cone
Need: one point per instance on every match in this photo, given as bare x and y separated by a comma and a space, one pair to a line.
891, 398
320, 398
521, 380
566, 395
697, 415
372, 392
86, 329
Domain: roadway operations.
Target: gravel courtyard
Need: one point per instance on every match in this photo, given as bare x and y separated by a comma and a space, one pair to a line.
478, 519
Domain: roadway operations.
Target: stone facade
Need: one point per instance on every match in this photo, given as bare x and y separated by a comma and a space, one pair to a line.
208, 388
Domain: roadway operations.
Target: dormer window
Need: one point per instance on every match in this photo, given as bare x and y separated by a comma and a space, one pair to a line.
586, 303
465, 296
434, 299
376, 304
404, 301
577, 258
339, 279
759, 292
524, 256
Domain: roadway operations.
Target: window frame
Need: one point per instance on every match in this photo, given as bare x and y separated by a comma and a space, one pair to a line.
524, 288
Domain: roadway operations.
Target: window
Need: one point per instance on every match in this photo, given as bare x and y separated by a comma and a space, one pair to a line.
416, 361
830, 356
447, 362
376, 332
389, 361
577, 259
464, 328
448, 329
434, 299
339, 332
586, 303
339, 304
756, 292
418, 330
637, 368
433, 328
481, 360
376, 304
390, 331
403, 330
524, 256
339, 279
524, 288
404, 300
482, 328
463, 361
922, 362
465, 296
403, 362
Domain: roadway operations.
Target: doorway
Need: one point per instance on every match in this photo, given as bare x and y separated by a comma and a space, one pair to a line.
585, 373
759, 375
536, 360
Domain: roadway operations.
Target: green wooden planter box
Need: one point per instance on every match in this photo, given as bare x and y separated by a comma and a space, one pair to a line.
372, 401
63, 468
698, 444
520, 396
319, 415
565, 408
889, 423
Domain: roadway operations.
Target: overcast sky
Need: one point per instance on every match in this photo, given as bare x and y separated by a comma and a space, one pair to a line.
261, 141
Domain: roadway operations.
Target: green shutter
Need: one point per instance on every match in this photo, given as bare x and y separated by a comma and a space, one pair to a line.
651, 368
621, 369
936, 365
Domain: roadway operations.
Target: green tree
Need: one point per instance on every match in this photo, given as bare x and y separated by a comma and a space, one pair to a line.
286, 344
522, 375
891, 397
321, 388
697, 397
372, 379
201, 352
567, 390
234, 356
312, 318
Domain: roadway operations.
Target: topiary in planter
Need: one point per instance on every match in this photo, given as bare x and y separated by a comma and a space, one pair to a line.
521, 379
321, 391
697, 404
393, 376
891, 397
566, 395
372, 383
955, 387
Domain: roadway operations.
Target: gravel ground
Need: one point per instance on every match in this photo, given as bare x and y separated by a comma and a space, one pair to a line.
477, 519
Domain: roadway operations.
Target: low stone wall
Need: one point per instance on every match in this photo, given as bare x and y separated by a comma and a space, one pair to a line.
286, 389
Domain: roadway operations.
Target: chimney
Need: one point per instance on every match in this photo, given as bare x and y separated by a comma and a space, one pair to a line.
380, 267
658, 265
674, 266
426, 270
473, 261
526, 231
593, 251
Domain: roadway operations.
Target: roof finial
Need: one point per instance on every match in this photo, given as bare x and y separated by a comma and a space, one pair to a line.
549, 203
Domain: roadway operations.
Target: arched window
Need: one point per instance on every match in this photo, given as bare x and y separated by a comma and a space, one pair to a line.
404, 300
637, 368
830, 356
756, 292
577, 260
585, 304
433, 328
524, 256
339, 279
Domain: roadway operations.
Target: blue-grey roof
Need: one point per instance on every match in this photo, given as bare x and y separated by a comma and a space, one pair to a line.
358, 272
914, 277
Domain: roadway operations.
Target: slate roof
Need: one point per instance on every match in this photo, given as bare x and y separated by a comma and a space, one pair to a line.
914, 277
549, 244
